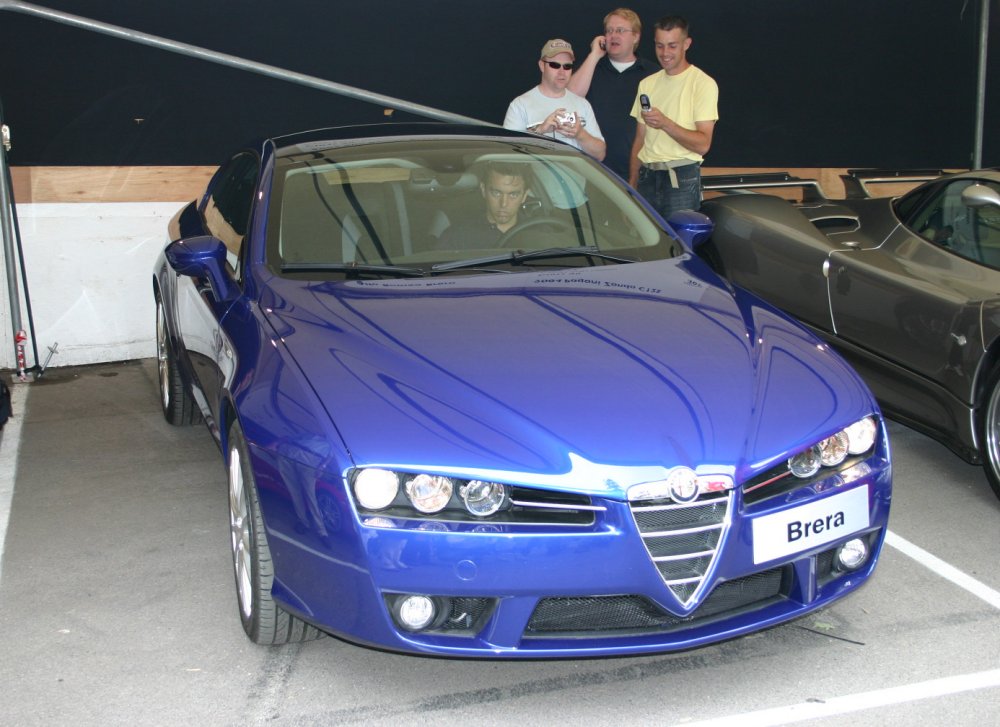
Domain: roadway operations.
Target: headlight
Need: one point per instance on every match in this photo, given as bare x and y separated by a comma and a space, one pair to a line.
805, 464
862, 435
858, 438
429, 493
391, 498
833, 450
483, 498
376, 488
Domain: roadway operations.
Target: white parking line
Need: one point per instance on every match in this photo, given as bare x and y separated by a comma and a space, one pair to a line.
10, 444
881, 697
857, 702
949, 572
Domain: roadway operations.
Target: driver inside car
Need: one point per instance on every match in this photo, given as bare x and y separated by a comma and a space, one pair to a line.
504, 186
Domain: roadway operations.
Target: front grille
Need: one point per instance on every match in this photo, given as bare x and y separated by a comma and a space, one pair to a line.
683, 538
616, 615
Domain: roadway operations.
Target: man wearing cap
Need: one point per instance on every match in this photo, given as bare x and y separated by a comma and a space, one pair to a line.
551, 109
675, 132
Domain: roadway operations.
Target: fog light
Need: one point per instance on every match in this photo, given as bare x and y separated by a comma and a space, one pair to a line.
852, 554
416, 612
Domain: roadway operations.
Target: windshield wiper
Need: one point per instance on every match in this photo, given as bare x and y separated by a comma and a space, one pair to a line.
517, 257
353, 269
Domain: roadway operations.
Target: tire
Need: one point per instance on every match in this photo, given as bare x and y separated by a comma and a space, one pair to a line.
178, 406
264, 621
989, 432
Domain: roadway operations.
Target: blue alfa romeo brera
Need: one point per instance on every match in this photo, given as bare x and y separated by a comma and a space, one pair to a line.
476, 399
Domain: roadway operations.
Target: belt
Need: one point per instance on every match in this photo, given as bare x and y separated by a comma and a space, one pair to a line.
669, 168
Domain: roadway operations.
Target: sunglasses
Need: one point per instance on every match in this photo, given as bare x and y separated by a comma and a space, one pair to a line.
557, 66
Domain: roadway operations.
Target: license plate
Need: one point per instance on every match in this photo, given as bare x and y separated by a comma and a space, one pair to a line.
804, 527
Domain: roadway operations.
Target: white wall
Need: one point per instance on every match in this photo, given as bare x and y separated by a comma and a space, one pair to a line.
89, 269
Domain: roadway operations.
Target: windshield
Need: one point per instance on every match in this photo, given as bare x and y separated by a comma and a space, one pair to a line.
437, 205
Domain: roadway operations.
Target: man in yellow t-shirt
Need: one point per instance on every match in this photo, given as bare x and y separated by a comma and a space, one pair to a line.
675, 132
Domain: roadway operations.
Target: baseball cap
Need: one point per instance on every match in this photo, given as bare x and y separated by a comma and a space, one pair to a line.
556, 46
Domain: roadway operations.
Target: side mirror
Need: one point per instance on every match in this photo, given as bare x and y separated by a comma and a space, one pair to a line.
979, 195
692, 227
203, 257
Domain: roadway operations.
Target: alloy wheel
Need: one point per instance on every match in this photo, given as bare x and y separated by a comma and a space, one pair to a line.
240, 533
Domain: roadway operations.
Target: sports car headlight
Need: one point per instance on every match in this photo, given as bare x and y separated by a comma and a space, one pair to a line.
861, 435
428, 501
483, 498
858, 438
833, 450
805, 464
429, 493
376, 488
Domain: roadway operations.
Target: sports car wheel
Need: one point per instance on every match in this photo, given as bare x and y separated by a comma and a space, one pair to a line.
989, 433
264, 621
178, 406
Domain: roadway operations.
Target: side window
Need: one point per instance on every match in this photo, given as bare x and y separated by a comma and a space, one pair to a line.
227, 211
946, 221
985, 229
927, 217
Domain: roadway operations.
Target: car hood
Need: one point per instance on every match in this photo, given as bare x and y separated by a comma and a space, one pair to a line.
587, 379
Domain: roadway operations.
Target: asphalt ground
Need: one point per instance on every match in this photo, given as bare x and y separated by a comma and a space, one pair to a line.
117, 605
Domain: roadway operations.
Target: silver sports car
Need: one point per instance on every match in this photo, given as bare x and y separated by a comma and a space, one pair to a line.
908, 289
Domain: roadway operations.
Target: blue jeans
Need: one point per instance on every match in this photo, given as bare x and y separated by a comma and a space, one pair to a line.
655, 187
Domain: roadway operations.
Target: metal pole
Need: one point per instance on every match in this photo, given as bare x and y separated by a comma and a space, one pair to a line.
10, 261
236, 62
984, 32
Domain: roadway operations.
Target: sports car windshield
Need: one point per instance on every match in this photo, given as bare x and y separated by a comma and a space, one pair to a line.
450, 205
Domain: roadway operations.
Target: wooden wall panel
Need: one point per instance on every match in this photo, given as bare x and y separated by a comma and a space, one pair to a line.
182, 184
109, 184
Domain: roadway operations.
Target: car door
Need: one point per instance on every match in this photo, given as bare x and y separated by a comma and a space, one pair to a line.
915, 298
225, 212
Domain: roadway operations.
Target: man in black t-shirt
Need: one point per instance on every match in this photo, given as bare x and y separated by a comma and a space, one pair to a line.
609, 79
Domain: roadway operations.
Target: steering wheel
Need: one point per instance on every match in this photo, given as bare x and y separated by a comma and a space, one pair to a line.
516, 230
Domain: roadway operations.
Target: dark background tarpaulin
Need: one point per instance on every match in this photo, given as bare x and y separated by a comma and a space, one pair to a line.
845, 83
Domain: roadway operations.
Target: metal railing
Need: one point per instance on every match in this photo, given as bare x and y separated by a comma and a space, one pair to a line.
811, 189
857, 181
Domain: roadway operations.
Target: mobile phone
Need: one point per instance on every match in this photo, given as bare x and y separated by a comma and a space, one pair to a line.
604, 46
644, 102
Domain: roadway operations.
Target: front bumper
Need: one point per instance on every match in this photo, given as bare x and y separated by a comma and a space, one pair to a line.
576, 591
